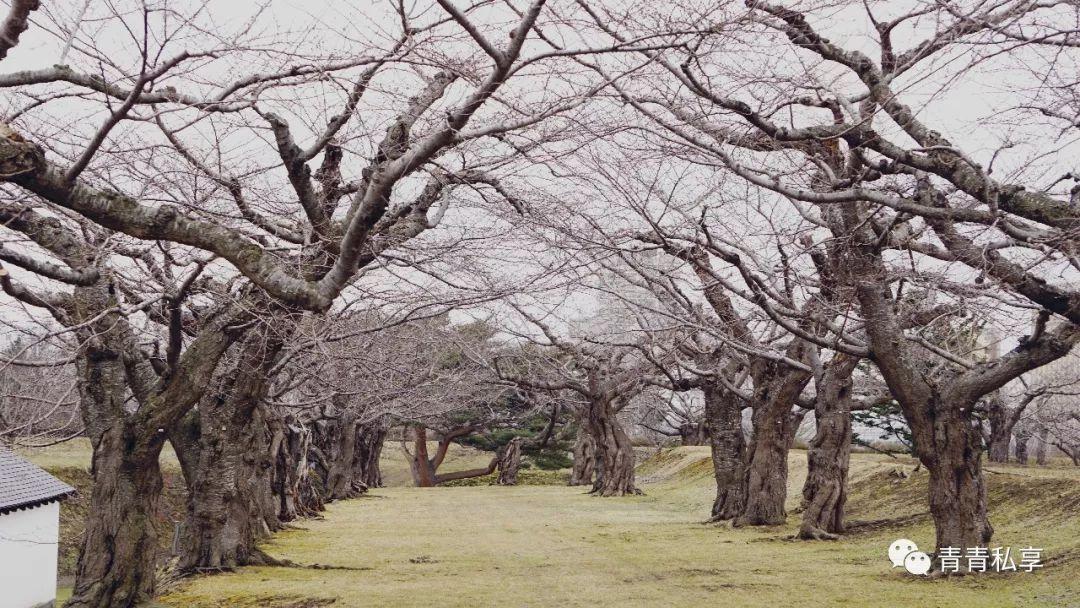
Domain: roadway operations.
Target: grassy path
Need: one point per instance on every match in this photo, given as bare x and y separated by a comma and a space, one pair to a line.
555, 546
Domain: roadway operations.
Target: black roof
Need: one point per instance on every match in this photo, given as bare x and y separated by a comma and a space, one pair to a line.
24, 485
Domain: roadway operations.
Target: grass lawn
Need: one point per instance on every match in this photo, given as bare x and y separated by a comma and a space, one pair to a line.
556, 546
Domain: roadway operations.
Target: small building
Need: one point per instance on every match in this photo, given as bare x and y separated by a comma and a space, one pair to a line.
29, 532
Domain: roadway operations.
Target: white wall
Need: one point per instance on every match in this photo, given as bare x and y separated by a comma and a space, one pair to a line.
28, 556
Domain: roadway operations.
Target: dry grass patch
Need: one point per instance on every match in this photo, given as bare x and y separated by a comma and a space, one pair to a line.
545, 546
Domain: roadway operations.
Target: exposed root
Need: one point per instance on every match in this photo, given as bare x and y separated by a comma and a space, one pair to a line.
261, 558
815, 533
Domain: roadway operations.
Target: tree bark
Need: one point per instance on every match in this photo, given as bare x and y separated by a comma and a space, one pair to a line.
957, 487
765, 477
825, 489
119, 552
346, 453
614, 454
231, 506
423, 472
119, 549
337, 440
296, 494
468, 473
1021, 449
1000, 429
723, 416
230, 495
510, 463
584, 457
370, 438
1041, 447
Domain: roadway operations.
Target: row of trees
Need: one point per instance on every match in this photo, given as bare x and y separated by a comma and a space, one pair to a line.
201, 203
246, 239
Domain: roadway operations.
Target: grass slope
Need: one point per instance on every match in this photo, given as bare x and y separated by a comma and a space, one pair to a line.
556, 546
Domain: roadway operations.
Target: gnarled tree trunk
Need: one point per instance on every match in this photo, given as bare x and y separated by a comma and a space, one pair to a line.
510, 463
228, 466
825, 489
765, 478
346, 453
723, 416
296, 494
950, 447
1023, 436
231, 506
425, 469
119, 552
584, 458
369, 444
1041, 446
1000, 429
337, 441
614, 454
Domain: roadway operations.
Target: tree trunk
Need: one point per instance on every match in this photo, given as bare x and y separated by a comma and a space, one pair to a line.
1021, 449
614, 454
423, 472
1041, 447
584, 458
347, 454
296, 494
825, 490
723, 416
947, 439
510, 463
119, 551
950, 446
766, 473
231, 506
118, 555
693, 433
338, 442
118, 559
1000, 430
369, 444
999, 448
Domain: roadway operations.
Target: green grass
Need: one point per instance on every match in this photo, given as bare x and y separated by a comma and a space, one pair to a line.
556, 546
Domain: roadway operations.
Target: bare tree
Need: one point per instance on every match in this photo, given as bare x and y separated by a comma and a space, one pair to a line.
843, 157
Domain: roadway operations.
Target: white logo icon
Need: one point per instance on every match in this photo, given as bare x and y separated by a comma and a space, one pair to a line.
899, 550
917, 562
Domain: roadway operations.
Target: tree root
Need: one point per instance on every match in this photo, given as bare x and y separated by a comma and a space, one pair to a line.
815, 533
261, 558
